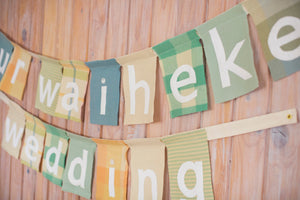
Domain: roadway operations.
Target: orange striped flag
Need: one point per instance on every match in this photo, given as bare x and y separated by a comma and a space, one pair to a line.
15, 77
111, 169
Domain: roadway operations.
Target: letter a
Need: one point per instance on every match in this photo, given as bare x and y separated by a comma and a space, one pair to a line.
197, 191
227, 65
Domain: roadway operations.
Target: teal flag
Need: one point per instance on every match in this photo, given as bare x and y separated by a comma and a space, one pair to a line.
77, 177
6, 49
104, 92
181, 63
229, 54
278, 26
55, 153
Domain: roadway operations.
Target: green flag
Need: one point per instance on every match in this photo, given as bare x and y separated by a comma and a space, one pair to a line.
278, 27
181, 63
77, 177
229, 54
189, 165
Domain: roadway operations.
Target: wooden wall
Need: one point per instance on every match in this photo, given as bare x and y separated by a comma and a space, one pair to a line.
259, 165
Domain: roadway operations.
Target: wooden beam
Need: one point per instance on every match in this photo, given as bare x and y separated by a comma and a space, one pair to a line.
252, 124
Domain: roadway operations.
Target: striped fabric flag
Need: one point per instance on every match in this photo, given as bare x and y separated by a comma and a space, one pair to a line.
15, 77
229, 54
48, 85
72, 90
55, 152
138, 76
277, 24
189, 165
104, 92
111, 169
6, 49
147, 167
13, 131
78, 174
34, 142
181, 62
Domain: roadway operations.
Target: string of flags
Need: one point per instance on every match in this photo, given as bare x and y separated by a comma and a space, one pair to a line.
73, 161
225, 43
67, 159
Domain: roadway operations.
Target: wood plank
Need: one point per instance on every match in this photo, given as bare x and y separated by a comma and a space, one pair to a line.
11, 181
116, 45
97, 32
4, 157
139, 38
23, 18
163, 27
163, 18
220, 150
282, 157
63, 25
248, 151
79, 50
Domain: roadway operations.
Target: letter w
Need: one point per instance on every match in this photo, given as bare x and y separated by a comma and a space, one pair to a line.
47, 91
9, 132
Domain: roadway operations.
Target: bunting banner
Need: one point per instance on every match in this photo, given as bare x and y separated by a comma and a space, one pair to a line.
138, 76
278, 27
181, 63
189, 165
147, 166
33, 143
187, 156
72, 90
111, 169
77, 177
55, 152
48, 85
15, 78
105, 92
13, 131
6, 49
229, 54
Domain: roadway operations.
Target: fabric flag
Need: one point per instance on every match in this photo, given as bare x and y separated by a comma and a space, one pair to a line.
229, 54
147, 166
13, 131
34, 142
181, 62
189, 165
55, 152
15, 78
48, 85
138, 76
111, 169
78, 173
72, 90
6, 49
278, 27
104, 92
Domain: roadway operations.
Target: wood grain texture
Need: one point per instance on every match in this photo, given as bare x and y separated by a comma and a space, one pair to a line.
258, 165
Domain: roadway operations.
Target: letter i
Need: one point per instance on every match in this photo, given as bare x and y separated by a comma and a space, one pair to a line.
103, 97
111, 181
